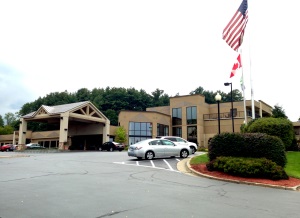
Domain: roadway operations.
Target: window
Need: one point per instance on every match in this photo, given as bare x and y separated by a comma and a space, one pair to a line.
234, 112
191, 115
156, 142
171, 139
139, 131
192, 134
162, 130
165, 142
177, 131
176, 116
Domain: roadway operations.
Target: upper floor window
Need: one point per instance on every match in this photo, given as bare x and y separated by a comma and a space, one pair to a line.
191, 115
176, 116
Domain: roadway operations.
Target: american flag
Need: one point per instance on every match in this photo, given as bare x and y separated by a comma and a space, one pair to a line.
234, 31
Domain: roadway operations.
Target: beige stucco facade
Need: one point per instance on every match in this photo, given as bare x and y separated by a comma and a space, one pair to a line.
207, 116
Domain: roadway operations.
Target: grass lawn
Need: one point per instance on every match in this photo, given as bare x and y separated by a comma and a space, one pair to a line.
292, 167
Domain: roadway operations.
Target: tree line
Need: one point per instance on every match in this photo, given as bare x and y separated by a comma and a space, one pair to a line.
110, 101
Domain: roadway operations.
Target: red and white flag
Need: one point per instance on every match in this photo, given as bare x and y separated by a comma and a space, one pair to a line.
236, 66
234, 31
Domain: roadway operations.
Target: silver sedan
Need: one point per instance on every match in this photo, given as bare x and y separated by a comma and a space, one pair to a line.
158, 148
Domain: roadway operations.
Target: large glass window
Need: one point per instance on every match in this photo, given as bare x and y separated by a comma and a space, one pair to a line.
139, 131
162, 130
191, 115
176, 116
177, 131
192, 134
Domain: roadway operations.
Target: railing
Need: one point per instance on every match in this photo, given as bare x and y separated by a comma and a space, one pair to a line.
227, 115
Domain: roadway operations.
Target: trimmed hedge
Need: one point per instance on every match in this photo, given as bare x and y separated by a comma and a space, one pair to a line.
281, 127
255, 145
248, 167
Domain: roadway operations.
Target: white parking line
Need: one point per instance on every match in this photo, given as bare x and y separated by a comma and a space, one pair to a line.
168, 165
178, 160
137, 163
152, 163
159, 168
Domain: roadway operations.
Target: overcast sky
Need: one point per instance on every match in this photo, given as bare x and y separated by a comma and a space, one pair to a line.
173, 45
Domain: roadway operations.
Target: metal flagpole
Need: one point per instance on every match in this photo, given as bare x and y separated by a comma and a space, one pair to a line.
252, 94
251, 81
243, 88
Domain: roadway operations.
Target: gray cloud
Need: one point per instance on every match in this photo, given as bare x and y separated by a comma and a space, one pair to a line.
14, 93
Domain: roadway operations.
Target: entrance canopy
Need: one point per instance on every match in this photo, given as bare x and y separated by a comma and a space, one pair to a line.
69, 117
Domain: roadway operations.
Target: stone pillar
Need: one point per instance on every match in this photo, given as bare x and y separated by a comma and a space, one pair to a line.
22, 134
260, 109
63, 131
106, 131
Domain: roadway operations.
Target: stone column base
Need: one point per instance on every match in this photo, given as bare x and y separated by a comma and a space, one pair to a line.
21, 147
61, 146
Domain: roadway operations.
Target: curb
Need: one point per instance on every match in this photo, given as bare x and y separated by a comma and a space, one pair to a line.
185, 167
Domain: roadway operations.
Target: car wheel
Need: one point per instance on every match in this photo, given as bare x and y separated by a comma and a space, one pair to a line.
184, 153
111, 149
7, 149
193, 150
149, 155
100, 149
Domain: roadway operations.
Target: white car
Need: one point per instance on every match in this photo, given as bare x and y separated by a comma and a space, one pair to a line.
180, 141
34, 146
158, 148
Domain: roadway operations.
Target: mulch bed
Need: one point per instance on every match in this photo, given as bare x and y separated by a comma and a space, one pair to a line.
291, 182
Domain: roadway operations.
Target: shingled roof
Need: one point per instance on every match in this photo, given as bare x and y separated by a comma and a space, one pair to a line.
58, 109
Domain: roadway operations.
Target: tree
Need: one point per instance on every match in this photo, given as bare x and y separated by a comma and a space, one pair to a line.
159, 98
112, 116
1, 121
9, 118
120, 135
198, 90
278, 112
83, 95
210, 95
6, 130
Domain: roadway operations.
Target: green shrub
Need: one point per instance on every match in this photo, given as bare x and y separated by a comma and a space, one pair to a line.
248, 167
256, 145
281, 127
202, 148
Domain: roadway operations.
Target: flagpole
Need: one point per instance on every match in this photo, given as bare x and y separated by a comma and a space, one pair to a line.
243, 88
251, 81
233, 35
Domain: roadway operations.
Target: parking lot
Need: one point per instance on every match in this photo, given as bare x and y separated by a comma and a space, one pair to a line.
104, 184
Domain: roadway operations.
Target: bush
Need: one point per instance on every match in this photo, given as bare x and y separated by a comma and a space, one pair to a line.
202, 148
281, 127
248, 167
255, 145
